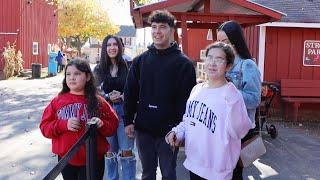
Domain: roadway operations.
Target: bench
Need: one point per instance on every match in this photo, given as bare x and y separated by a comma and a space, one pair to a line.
297, 91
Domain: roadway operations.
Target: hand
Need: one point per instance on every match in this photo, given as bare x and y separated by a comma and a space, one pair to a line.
73, 124
98, 121
172, 139
115, 96
129, 131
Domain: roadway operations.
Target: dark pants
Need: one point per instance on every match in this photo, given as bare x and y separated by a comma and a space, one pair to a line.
151, 149
71, 172
237, 172
195, 177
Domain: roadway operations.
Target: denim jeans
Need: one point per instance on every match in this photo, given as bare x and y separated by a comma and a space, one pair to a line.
153, 149
120, 142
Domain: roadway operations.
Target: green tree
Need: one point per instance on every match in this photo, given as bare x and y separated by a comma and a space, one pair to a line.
78, 20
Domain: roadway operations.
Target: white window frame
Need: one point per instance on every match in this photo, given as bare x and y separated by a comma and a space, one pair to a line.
49, 48
35, 48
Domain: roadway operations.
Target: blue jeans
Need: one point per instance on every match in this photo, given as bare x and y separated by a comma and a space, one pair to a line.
120, 142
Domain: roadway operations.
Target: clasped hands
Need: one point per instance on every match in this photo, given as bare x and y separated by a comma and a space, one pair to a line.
74, 124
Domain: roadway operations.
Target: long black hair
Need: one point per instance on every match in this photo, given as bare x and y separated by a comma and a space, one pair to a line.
235, 35
90, 91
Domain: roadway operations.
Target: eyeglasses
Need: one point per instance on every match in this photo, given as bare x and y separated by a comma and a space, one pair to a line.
216, 61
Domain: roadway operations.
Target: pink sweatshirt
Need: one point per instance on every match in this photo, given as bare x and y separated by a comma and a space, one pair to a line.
214, 122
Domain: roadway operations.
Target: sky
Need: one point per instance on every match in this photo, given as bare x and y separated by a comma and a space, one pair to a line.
118, 11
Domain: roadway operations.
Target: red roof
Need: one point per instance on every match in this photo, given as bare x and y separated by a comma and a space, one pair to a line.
204, 13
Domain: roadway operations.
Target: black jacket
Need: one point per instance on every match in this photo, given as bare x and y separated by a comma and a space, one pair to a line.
157, 88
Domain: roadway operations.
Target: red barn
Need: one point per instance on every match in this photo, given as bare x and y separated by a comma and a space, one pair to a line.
32, 24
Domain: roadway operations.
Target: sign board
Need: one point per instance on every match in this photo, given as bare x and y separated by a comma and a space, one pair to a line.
311, 53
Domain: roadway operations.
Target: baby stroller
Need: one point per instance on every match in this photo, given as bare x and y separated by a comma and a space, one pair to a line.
268, 92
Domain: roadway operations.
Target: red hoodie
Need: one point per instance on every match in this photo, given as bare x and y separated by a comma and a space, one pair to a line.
54, 125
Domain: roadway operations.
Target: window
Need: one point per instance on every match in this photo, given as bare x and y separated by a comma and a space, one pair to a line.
35, 48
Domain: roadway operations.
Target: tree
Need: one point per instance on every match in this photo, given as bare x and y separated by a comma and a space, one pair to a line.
80, 19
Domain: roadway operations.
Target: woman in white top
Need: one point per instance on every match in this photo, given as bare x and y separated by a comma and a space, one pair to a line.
214, 122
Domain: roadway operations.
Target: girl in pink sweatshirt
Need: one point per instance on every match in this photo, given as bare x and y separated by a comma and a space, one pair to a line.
214, 122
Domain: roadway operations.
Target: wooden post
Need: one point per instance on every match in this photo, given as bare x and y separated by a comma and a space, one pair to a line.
206, 6
184, 34
296, 106
175, 35
91, 151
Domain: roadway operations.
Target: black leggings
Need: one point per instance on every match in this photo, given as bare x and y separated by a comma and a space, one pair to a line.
71, 172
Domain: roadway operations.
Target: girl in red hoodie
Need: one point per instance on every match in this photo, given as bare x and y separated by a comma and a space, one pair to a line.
65, 117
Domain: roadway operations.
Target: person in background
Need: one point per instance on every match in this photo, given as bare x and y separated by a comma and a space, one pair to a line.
214, 122
244, 74
111, 73
65, 118
59, 61
158, 85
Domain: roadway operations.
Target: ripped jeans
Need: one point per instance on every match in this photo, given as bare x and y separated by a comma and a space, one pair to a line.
120, 142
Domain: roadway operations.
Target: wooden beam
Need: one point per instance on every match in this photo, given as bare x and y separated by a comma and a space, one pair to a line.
218, 17
258, 8
184, 35
131, 5
175, 35
137, 19
198, 25
206, 6
196, 6
162, 5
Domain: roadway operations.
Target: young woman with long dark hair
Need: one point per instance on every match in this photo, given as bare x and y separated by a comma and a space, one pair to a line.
111, 73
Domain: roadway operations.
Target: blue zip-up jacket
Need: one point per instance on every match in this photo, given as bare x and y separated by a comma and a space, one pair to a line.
157, 88
248, 82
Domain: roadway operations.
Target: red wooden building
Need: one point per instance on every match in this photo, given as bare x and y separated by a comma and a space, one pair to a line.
32, 24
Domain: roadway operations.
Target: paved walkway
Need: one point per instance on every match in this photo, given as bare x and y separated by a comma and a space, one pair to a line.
26, 154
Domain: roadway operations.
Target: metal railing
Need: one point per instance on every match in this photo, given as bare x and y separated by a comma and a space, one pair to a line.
89, 137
